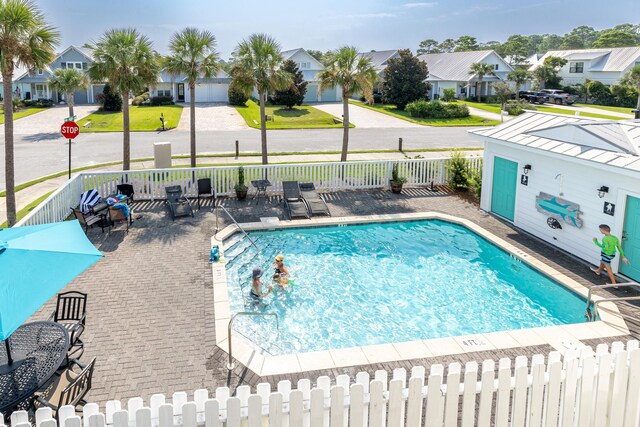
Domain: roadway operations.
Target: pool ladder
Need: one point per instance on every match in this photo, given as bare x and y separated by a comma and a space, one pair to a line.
237, 225
593, 315
230, 364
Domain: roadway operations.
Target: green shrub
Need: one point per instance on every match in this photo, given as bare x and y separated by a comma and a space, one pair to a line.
437, 110
490, 99
448, 94
112, 100
515, 108
240, 186
395, 176
145, 96
138, 100
161, 100
475, 180
458, 169
237, 97
40, 103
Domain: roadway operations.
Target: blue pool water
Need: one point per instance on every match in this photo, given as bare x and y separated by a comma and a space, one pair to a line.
389, 282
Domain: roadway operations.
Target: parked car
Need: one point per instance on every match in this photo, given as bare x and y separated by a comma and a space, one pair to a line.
533, 97
558, 96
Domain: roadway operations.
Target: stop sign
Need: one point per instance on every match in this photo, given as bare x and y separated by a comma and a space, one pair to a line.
69, 130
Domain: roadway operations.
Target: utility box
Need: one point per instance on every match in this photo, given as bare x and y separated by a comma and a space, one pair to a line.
162, 154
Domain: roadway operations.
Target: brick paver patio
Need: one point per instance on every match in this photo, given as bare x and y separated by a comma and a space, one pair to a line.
150, 309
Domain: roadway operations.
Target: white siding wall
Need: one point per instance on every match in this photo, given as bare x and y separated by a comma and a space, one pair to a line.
580, 181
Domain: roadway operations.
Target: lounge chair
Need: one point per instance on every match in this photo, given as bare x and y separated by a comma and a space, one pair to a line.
296, 207
179, 205
316, 204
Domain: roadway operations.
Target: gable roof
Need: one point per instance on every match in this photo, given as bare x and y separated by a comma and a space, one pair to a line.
379, 58
455, 66
604, 59
288, 54
81, 50
614, 143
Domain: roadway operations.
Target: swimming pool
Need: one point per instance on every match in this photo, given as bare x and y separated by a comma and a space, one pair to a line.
368, 284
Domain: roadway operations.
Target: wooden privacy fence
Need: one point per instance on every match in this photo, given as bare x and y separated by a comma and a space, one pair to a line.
149, 184
585, 388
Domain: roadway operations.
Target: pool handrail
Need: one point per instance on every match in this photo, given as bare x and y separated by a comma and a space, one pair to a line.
238, 225
618, 299
591, 317
230, 364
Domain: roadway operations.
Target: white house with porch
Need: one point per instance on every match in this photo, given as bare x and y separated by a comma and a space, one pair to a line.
606, 65
452, 70
213, 90
560, 177
310, 68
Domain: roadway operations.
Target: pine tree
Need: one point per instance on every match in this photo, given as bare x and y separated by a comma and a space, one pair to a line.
296, 92
112, 100
404, 80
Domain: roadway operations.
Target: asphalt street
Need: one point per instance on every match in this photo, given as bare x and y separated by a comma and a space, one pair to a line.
41, 154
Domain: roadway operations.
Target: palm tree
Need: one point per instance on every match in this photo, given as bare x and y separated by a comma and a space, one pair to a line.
354, 74
519, 77
125, 59
258, 64
632, 79
25, 40
481, 69
67, 81
193, 54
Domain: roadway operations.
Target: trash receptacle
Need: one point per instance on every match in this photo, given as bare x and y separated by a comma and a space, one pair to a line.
162, 154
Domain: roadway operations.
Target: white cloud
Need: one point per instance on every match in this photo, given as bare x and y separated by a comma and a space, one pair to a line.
417, 5
373, 15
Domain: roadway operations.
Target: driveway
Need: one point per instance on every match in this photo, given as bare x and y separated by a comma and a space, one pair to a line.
49, 121
595, 110
213, 117
365, 118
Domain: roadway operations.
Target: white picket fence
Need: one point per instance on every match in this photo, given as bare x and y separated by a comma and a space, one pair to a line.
585, 389
149, 184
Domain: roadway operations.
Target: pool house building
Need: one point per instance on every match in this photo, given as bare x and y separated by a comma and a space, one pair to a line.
560, 177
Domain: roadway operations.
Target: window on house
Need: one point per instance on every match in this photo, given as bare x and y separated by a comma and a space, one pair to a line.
40, 72
306, 65
497, 66
162, 92
576, 67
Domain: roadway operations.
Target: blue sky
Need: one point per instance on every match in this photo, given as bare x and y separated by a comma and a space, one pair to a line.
327, 24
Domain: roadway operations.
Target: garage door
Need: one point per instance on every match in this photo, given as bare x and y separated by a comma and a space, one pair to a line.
80, 97
96, 90
312, 94
329, 95
212, 92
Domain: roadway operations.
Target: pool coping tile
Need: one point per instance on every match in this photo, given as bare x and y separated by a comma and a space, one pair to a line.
561, 337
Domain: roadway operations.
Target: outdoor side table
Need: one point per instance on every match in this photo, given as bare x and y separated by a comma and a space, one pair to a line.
261, 188
39, 349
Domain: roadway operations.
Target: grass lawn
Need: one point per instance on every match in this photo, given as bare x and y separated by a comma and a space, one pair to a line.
495, 108
624, 110
391, 110
304, 117
22, 113
143, 119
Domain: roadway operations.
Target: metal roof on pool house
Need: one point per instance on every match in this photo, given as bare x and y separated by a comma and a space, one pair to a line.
614, 143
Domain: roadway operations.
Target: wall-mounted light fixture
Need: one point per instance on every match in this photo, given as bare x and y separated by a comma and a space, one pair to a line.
526, 169
602, 191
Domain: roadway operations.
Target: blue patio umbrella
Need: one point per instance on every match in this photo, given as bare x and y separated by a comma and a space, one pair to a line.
35, 263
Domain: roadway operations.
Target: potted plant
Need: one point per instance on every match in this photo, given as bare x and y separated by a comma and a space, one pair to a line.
241, 188
396, 181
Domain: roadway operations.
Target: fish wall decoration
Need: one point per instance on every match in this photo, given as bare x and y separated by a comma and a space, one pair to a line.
558, 208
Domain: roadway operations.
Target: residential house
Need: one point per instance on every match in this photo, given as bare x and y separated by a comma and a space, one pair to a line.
452, 70
17, 88
558, 177
310, 68
34, 85
214, 89
606, 65
380, 59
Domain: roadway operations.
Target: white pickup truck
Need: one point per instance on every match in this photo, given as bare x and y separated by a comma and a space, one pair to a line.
556, 96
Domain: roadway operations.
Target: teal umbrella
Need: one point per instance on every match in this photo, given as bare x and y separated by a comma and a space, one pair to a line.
36, 262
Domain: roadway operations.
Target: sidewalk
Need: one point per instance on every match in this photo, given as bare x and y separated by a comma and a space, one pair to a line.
487, 114
26, 196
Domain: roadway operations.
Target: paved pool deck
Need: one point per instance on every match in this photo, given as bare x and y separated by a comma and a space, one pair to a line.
151, 314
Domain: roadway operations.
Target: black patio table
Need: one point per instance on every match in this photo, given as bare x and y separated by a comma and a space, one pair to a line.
38, 348
261, 187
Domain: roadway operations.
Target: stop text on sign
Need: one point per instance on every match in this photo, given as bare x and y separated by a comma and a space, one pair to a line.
69, 130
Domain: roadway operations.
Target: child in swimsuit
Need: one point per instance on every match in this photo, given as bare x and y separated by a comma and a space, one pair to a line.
256, 284
610, 244
281, 273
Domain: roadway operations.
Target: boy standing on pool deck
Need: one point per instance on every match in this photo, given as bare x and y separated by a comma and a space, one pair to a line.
610, 244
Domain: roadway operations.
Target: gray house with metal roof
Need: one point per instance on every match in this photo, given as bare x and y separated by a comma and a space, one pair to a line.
452, 70
559, 177
34, 85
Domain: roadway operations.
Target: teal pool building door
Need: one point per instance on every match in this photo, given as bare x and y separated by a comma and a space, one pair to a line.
503, 192
631, 239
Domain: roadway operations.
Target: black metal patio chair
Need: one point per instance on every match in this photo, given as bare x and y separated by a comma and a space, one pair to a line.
71, 313
205, 189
